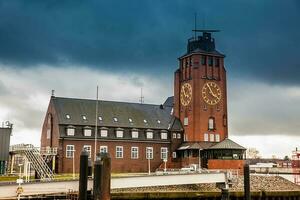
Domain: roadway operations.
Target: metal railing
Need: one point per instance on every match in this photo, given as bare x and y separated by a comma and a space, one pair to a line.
34, 156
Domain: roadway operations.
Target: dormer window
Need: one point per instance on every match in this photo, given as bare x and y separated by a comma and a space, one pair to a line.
135, 133
70, 130
103, 132
130, 120
87, 131
68, 116
84, 117
164, 135
149, 134
119, 133
115, 119
145, 121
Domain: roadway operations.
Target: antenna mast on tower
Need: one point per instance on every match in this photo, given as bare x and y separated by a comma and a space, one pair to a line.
142, 97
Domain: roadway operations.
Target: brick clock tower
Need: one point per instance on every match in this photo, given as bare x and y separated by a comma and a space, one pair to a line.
200, 95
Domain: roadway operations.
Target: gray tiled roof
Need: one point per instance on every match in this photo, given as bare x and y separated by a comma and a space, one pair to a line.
76, 108
227, 144
169, 102
195, 145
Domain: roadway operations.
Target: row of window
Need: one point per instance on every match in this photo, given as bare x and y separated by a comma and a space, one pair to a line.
210, 60
119, 151
211, 123
212, 137
115, 119
120, 133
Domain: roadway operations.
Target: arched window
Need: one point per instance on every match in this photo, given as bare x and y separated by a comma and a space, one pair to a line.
211, 123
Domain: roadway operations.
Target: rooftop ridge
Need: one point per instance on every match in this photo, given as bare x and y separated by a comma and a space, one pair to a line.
123, 102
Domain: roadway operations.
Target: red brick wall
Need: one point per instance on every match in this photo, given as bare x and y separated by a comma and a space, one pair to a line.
53, 141
197, 115
125, 164
226, 164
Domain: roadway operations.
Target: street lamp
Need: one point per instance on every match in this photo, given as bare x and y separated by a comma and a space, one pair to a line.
199, 167
148, 152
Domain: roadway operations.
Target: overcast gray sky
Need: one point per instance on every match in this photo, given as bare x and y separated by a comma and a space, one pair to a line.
71, 46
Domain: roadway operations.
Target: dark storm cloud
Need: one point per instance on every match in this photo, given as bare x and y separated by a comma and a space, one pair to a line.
260, 38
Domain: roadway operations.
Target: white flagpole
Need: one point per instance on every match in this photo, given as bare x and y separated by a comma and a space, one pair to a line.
96, 127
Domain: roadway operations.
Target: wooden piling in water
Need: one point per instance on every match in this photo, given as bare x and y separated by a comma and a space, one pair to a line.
83, 176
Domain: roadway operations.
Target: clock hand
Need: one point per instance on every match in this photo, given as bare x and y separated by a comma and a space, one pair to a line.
211, 92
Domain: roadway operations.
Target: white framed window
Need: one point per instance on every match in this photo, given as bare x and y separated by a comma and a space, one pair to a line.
217, 137
115, 119
211, 124
88, 148
174, 135
206, 137
48, 133
70, 131
119, 133
149, 152
103, 149
70, 151
119, 151
149, 134
212, 137
174, 155
186, 121
103, 132
135, 134
164, 153
164, 135
134, 152
178, 135
87, 132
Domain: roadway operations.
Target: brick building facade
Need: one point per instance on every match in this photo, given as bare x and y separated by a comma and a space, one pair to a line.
189, 128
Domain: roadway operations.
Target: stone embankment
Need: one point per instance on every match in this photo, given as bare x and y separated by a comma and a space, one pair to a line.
258, 183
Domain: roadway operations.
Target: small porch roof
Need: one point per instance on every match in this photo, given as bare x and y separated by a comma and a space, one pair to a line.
227, 144
195, 145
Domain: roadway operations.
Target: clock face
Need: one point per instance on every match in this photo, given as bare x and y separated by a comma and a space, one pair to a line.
186, 94
211, 93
